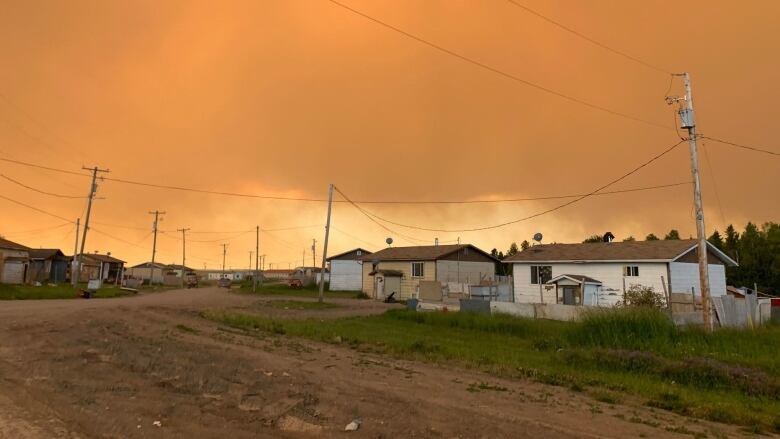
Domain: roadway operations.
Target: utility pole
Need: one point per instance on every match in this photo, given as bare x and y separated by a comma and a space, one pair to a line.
257, 256
688, 122
156, 214
224, 252
183, 252
92, 190
325, 243
303, 259
73, 275
313, 252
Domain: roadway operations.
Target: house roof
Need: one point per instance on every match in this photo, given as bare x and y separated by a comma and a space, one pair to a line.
102, 258
149, 264
278, 270
45, 253
658, 251
362, 250
575, 278
420, 252
178, 267
4, 243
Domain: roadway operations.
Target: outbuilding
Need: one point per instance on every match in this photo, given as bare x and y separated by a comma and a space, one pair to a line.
346, 270
14, 262
48, 265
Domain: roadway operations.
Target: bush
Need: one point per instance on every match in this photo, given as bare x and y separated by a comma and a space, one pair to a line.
624, 328
644, 297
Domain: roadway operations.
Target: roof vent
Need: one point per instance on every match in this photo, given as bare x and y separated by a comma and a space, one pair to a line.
609, 237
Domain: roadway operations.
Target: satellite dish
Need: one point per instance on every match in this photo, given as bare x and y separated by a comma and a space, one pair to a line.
389, 241
538, 237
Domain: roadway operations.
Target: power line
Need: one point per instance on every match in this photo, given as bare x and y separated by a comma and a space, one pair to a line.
54, 215
737, 145
497, 70
41, 191
410, 202
588, 39
42, 229
495, 226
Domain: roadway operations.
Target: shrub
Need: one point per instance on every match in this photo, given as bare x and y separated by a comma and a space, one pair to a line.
624, 328
644, 297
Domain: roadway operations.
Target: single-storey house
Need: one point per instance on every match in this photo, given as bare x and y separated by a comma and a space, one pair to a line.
308, 274
277, 273
346, 270
400, 269
178, 269
599, 273
144, 271
104, 267
48, 265
14, 262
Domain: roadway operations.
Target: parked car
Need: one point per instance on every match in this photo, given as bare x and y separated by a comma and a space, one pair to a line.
224, 283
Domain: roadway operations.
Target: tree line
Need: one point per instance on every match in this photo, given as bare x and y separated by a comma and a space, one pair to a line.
756, 249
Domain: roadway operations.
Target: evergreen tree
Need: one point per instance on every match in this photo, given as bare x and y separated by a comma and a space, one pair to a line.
629, 239
512, 249
672, 235
716, 240
524, 245
651, 237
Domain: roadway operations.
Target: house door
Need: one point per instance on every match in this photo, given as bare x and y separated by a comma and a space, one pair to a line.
393, 285
569, 295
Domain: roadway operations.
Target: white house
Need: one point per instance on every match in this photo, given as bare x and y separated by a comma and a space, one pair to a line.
14, 262
346, 270
599, 273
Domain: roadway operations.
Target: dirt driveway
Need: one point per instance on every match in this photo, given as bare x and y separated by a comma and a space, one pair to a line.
150, 366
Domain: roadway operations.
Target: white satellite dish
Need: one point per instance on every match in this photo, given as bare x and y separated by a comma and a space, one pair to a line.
389, 241
538, 237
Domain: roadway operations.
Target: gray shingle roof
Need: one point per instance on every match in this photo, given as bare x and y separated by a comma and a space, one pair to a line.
418, 253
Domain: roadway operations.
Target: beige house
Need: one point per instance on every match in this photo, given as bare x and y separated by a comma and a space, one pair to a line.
399, 270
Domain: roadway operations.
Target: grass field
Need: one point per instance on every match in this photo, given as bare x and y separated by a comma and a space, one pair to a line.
277, 289
60, 291
728, 376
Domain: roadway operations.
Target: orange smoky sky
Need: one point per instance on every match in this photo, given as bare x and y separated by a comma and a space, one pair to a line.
282, 98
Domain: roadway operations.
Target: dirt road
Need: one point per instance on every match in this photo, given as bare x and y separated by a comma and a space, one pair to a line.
150, 366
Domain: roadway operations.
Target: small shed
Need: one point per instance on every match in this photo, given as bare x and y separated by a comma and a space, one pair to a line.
48, 265
574, 289
346, 270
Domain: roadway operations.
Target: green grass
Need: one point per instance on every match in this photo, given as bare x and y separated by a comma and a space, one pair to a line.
59, 291
276, 289
299, 304
728, 376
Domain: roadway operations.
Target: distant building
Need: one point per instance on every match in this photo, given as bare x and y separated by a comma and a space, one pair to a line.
145, 269
346, 270
48, 265
104, 267
277, 274
399, 270
14, 262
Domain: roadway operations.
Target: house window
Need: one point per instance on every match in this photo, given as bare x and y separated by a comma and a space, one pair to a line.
631, 270
541, 271
359, 252
418, 269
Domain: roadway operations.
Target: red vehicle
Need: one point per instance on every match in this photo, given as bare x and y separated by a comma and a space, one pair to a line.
295, 283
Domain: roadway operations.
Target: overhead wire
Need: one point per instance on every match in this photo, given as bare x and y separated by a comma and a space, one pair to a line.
589, 39
53, 215
498, 71
18, 183
506, 223
743, 146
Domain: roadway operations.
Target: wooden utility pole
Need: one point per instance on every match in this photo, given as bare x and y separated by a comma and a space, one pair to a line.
224, 253
313, 252
688, 122
183, 252
92, 190
325, 243
73, 273
257, 257
156, 214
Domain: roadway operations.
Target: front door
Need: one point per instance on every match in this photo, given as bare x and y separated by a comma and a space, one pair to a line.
569, 295
393, 285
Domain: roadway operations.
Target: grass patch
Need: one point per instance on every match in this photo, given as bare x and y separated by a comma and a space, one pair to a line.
187, 329
299, 304
728, 376
59, 291
276, 289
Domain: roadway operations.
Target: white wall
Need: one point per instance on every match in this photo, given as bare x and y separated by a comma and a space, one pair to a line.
346, 275
686, 275
464, 271
609, 273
